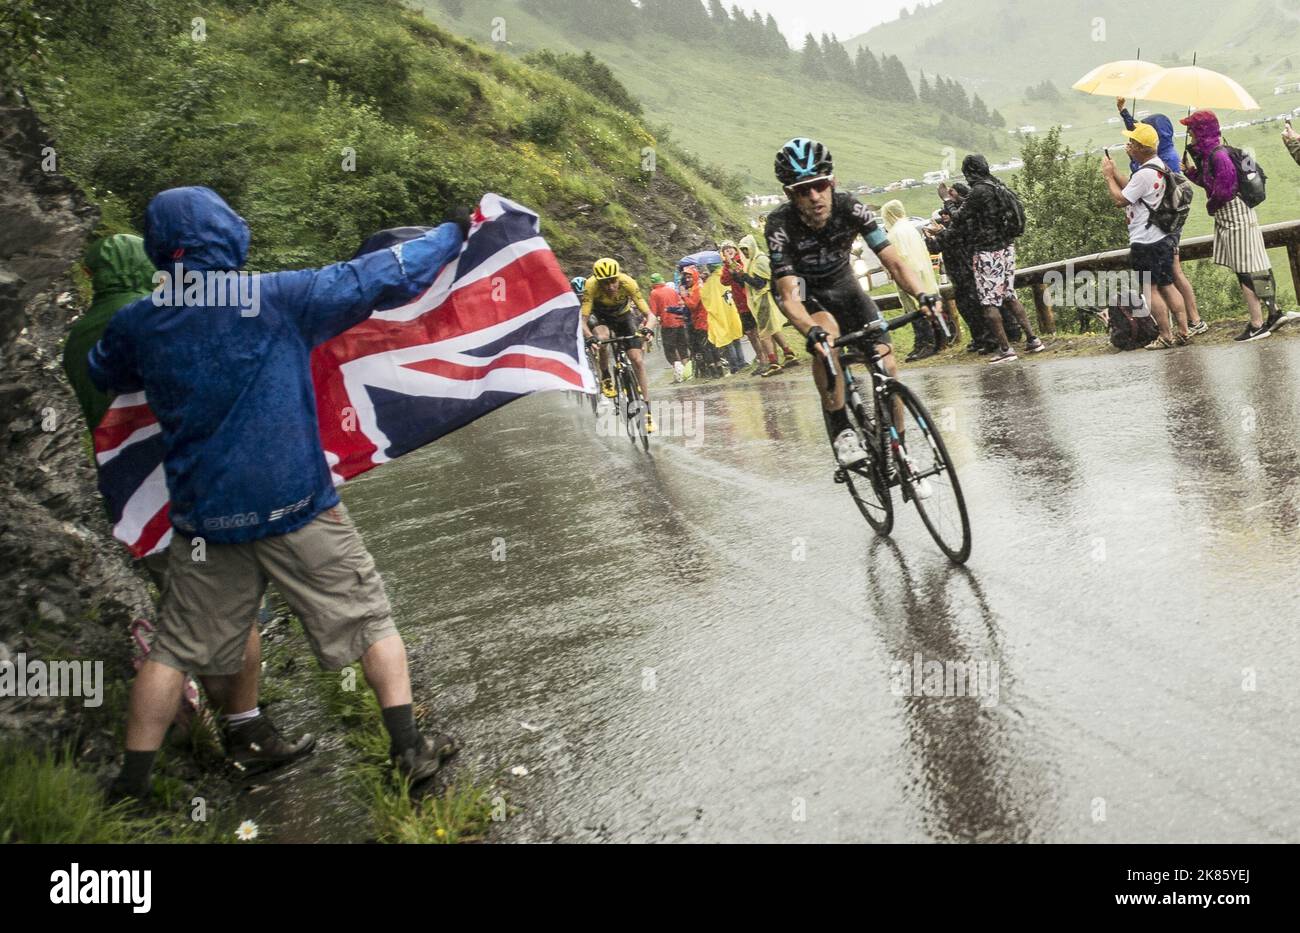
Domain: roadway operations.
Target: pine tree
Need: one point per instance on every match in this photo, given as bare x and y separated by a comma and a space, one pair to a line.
741, 28
997, 120
979, 111
898, 84
757, 31
812, 62
869, 75
681, 19
960, 102
778, 46
923, 90
721, 21
838, 64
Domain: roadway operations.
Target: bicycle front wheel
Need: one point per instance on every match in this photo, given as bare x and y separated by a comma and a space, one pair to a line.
634, 409
929, 478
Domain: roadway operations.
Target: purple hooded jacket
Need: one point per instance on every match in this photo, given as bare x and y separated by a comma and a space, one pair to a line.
1220, 182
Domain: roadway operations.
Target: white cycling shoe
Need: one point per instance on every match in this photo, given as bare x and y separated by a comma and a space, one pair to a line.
921, 488
848, 449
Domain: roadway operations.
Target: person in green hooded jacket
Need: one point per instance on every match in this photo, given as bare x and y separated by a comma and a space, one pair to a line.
120, 272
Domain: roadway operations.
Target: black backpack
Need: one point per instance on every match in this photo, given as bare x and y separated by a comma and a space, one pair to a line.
1250, 174
1175, 202
1011, 213
1130, 331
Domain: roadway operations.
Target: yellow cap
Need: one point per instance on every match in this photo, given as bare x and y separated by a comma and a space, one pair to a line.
1144, 134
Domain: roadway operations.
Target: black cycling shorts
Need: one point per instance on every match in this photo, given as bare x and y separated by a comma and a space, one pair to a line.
621, 325
844, 298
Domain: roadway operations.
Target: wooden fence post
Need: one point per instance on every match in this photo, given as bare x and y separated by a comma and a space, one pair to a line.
1293, 254
1046, 313
950, 308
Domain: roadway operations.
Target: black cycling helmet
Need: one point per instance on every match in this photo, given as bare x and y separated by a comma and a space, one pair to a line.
802, 159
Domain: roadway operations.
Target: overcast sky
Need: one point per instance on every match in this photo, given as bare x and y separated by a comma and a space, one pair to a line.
845, 18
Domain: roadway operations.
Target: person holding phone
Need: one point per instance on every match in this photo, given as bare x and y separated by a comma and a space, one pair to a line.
1151, 249
1168, 154
1291, 139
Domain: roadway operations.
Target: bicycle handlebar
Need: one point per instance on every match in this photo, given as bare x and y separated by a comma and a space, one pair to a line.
873, 330
876, 328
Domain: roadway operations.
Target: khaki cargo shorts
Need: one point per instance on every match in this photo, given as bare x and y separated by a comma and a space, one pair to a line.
323, 570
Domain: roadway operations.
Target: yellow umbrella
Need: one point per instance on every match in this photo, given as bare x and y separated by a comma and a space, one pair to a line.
1196, 87
1117, 79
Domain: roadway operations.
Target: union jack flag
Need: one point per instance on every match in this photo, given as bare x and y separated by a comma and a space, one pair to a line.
498, 323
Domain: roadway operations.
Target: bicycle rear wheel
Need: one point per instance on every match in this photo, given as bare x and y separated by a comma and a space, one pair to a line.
924, 466
866, 484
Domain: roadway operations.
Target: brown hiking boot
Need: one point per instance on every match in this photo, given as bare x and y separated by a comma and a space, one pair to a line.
422, 762
257, 745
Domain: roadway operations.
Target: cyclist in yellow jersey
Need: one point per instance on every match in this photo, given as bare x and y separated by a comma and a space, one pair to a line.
607, 300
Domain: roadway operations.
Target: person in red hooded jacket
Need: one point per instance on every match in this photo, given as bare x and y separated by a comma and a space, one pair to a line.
666, 305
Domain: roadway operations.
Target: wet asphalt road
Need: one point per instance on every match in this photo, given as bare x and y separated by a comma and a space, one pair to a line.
708, 644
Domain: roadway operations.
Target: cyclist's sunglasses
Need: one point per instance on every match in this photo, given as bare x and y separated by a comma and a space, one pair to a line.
819, 185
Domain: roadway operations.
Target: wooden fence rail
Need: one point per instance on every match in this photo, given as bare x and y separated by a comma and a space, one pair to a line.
1283, 234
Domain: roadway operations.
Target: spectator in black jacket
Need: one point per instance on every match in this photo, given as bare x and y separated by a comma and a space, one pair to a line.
957, 261
981, 225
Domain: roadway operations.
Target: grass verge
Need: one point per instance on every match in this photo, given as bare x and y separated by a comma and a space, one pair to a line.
45, 798
461, 811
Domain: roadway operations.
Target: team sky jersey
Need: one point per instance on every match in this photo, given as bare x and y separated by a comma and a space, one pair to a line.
594, 297
797, 249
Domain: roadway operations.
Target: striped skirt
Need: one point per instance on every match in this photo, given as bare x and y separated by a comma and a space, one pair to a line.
1238, 243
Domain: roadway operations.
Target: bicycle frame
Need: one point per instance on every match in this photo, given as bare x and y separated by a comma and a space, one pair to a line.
883, 439
883, 416
635, 405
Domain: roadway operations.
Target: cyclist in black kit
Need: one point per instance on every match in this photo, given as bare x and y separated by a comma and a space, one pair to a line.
810, 239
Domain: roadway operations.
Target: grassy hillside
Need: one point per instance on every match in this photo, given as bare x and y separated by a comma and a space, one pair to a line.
324, 121
735, 108
1019, 44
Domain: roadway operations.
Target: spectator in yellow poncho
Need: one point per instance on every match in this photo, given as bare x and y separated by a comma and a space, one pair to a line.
762, 304
912, 249
724, 320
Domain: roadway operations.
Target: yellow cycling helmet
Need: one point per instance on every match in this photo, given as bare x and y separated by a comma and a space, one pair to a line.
605, 268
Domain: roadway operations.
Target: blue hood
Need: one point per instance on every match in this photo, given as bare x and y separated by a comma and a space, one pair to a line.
195, 227
1165, 130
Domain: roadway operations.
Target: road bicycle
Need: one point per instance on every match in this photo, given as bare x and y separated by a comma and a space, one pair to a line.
629, 399
910, 455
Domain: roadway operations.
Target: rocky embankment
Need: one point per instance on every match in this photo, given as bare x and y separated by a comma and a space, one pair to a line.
66, 588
